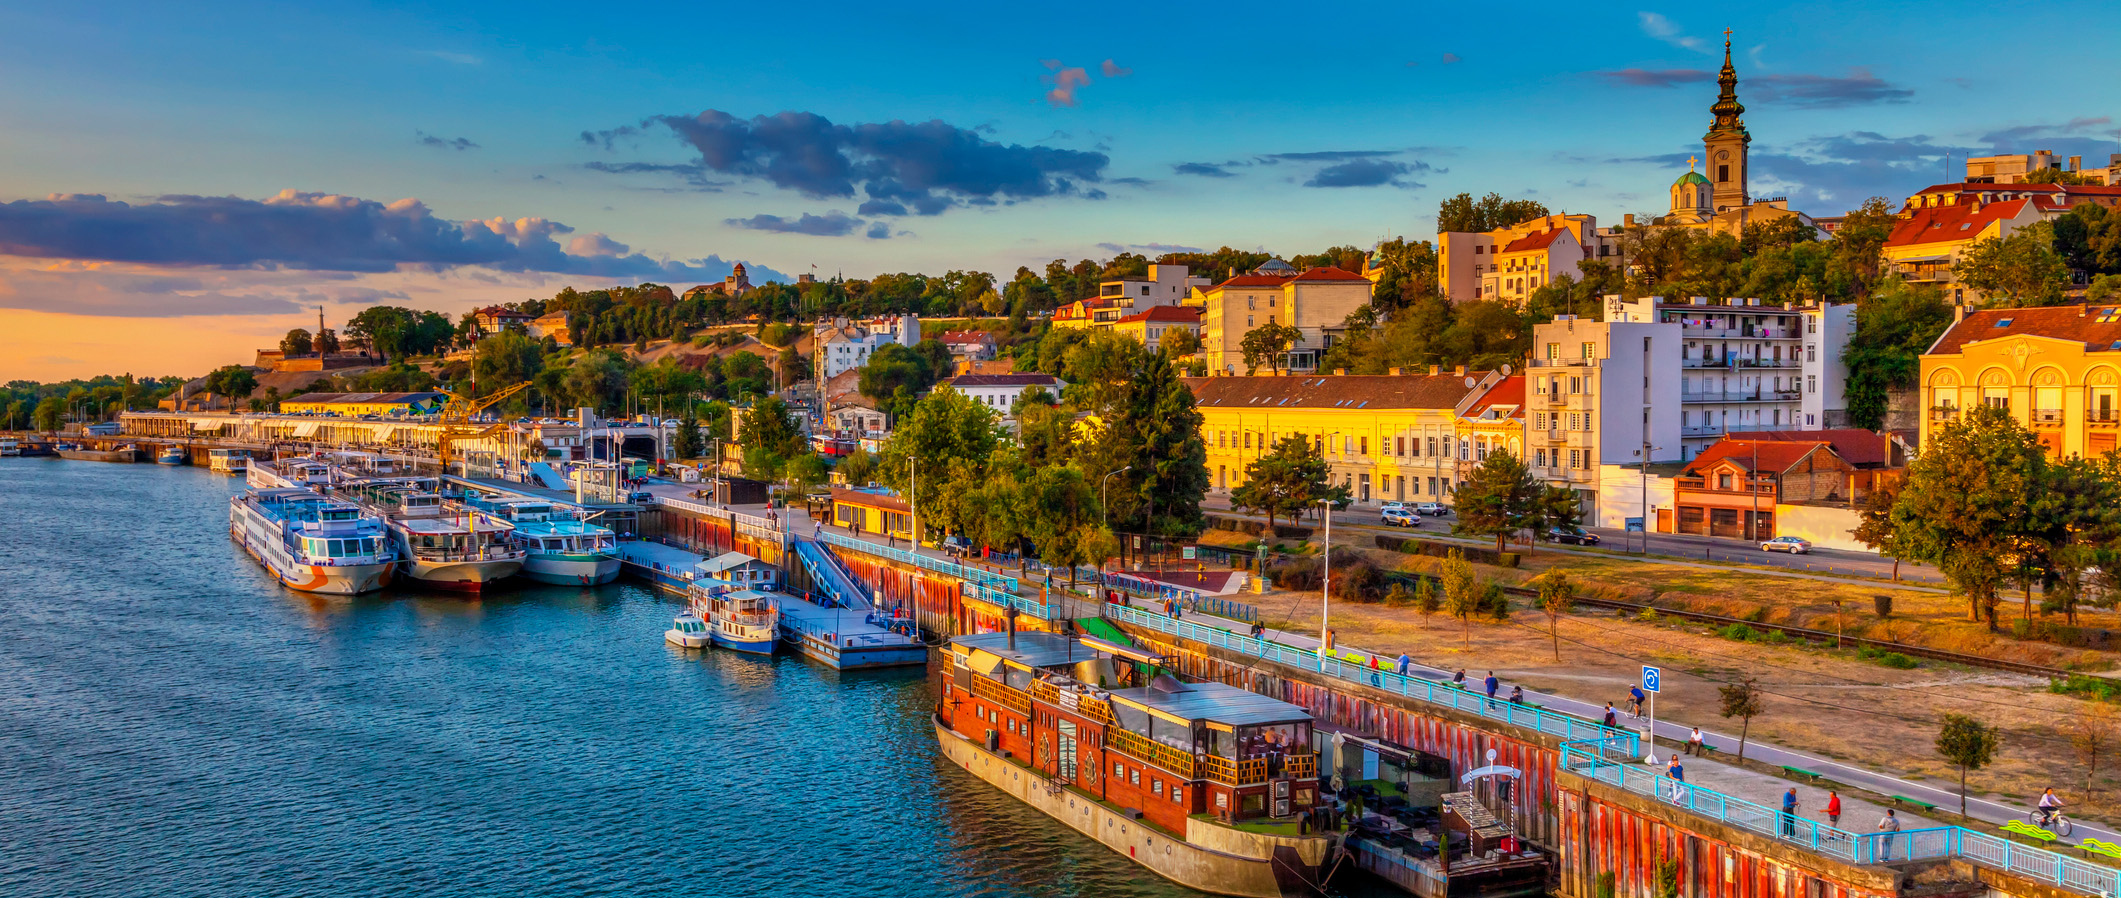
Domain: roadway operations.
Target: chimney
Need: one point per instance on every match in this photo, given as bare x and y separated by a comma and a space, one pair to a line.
1630, 220
1958, 312
1011, 617
1461, 371
1343, 372
1435, 370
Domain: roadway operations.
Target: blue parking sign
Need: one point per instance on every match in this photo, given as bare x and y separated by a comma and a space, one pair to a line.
1650, 676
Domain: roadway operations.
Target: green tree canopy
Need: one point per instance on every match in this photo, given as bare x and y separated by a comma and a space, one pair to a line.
1465, 214
1499, 498
2020, 270
1894, 326
1967, 499
233, 381
296, 342
1286, 481
1268, 346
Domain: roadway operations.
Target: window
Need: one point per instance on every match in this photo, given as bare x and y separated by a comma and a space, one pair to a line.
1811, 352
1251, 303
1996, 397
1464, 449
1723, 481
1134, 776
1119, 770
1400, 444
1156, 788
1811, 325
1553, 350
1574, 457
1811, 383
1248, 321
1540, 457
1590, 350
1365, 445
1432, 451
1248, 439
1432, 486
1723, 173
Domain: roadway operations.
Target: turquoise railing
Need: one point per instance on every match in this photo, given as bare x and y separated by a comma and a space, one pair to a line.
1555, 723
1598, 762
985, 586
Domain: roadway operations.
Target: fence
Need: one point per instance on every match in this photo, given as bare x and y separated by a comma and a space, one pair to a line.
1553, 723
1596, 760
994, 589
1190, 599
751, 524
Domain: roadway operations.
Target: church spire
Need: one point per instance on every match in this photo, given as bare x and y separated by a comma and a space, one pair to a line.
1727, 108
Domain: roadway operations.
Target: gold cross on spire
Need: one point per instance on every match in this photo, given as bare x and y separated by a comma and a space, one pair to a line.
1726, 35
1690, 160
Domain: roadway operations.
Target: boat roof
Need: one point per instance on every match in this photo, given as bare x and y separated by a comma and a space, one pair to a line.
445, 526
725, 561
1216, 702
1034, 648
558, 528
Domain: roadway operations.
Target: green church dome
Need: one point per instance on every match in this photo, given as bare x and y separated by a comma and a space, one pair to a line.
1691, 177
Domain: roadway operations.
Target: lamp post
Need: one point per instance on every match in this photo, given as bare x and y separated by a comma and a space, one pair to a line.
913, 509
1644, 453
1325, 589
1104, 504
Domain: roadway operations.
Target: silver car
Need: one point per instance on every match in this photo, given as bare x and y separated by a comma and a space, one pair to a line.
1791, 544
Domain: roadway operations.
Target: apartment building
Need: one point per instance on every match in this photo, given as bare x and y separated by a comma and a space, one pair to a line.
1394, 437
843, 345
1747, 365
1510, 263
2056, 369
1150, 325
1600, 396
2017, 167
1316, 301
1120, 297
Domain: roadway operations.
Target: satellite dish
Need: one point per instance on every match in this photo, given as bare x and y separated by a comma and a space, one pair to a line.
1506, 371
1472, 382
1491, 756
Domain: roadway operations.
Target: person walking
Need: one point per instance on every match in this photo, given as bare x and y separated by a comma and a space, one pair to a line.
1789, 813
1833, 809
1612, 717
1888, 826
1404, 663
1493, 684
1693, 743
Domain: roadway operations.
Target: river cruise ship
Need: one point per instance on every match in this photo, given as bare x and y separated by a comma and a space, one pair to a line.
285, 473
227, 461
313, 543
559, 542
443, 545
1208, 785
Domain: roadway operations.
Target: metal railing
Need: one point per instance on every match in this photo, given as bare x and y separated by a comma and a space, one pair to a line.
985, 586
1176, 760
756, 525
1603, 763
1555, 723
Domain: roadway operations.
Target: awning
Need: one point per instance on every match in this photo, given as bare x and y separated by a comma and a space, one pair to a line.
307, 428
207, 425
384, 435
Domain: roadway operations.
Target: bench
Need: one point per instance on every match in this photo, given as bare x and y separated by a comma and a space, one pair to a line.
1902, 799
1799, 771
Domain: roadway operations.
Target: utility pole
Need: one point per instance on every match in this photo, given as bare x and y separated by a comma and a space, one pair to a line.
913, 508
1325, 592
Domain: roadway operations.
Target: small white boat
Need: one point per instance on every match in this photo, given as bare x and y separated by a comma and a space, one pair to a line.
173, 455
687, 631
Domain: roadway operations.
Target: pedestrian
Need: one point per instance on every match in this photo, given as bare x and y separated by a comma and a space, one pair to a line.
1612, 717
1888, 825
1833, 809
1404, 663
1492, 684
1789, 813
1517, 695
1693, 743
1459, 680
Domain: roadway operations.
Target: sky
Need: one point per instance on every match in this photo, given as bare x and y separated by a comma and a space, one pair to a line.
181, 183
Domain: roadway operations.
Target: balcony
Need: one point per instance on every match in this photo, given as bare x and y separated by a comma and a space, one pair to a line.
2103, 416
1565, 363
2047, 417
1944, 413
1001, 694
1739, 362
1172, 758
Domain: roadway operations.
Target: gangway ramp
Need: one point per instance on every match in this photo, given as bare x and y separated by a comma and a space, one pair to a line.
830, 576
549, 478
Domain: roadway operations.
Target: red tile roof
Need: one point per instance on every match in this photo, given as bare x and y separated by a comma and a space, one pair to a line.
1540, 240
1857, 446
1326, 274
1020, 379
1950, 224
1771, 457
2097, 327
499, 312
1357, 391
1508, 391
1329, 273
967, 337
1173, 314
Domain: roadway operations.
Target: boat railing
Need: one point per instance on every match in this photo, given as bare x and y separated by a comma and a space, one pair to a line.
1170, 757
1002, 694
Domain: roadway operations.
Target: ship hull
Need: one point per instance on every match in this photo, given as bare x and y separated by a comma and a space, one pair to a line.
757, 646
460, 576
571, 570
120, 456
269, 549
1189, 865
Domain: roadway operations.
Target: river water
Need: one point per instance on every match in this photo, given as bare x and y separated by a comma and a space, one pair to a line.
174, 723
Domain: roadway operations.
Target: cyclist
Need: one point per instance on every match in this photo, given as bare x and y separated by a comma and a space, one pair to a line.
2050, 806
1635, 698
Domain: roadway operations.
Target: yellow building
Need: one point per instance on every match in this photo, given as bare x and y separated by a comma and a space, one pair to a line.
1385, 437
875, 513
1317, 302
1930, 238
356, 404
1148, 327
2057, 369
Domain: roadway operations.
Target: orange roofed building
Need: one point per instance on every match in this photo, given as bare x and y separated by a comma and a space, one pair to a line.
2056, 369
1316, 302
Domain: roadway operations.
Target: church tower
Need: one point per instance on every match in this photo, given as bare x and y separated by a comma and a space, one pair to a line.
1726, 142
1692, 197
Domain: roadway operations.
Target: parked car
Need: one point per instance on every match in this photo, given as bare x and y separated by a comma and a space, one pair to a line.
1572, 535
640, 497
1791, 544
1432, 509
957, 546
1401, 517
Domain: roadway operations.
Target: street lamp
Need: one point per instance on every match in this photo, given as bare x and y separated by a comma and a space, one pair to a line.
1644, 454
1325, 588
1104, 503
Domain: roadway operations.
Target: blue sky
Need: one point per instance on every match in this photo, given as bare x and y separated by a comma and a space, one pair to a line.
1030, 132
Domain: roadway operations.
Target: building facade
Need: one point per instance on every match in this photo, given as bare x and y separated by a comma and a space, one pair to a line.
1929, 239
1748, 365
2056, 369
1511, 262
841, 345
1001, 392
1149, 326
1317, 302
354, 404
1600, 394
1393, 437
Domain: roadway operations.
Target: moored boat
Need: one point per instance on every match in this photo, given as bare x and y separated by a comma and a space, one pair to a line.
687, 631
312, 543
172, 455
444, 548
9, 448
283, 473
126, 454
746, 620
227, 461
560, 545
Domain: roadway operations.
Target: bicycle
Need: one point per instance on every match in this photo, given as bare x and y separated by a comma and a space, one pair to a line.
2058, 824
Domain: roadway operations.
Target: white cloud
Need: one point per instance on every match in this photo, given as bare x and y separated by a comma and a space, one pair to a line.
1661, 28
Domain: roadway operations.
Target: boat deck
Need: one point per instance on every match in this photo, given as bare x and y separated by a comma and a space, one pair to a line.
844, 638
668, 566
532, 491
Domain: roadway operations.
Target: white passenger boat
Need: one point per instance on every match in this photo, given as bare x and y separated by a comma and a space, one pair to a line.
227, 461
687, 631
311, 542
746, 620
9, 448
560, 544
286, 473
443, 547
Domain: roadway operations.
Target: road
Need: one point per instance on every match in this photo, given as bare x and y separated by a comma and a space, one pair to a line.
1677, 546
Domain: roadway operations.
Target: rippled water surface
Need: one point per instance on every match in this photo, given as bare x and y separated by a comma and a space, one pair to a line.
174, 723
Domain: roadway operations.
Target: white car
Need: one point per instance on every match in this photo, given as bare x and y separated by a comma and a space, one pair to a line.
1790, 544
1432, 509
1400, 517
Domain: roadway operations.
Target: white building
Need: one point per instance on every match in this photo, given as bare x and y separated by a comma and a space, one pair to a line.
1827, 330
1001, 391
1164, 285
1599, 393
842, 345
1743, 363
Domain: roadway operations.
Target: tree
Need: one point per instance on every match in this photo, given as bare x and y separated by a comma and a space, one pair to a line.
858, 468
2089, 239
894, 377
51, 411
233, 381
296, 342
1875, 528
1285, 482
1968, 744
1465, 214
1179, 342
688, 443
326, 341
1425, 600
1557, 597
945, 430
1967, 499
506, 359
1499, 498
1894, 327
1745, 701
805, 473
2092, 734
770, 439
1461, 593
2020, 270
1268, 345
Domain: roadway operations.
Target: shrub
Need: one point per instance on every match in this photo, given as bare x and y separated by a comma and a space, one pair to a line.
1648, 616
1885, 658
1495, 602
1398, 596
1777, 637
2082, 686
1739, 633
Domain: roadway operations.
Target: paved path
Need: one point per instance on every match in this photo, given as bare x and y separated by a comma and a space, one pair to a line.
1751, 786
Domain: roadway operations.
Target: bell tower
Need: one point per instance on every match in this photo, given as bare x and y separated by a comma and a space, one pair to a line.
1725, 144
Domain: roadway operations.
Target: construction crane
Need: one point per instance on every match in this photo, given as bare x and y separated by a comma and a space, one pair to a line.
455, 419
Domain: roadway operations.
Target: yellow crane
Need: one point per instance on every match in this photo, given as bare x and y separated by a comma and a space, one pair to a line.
455, 419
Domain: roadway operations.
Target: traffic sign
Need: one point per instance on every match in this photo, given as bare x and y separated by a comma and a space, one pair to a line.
1650, 676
